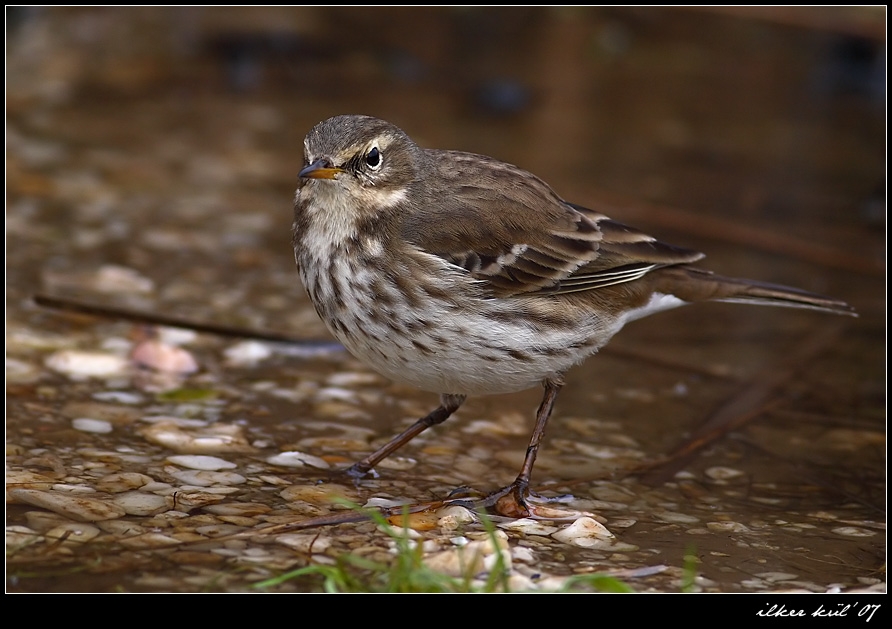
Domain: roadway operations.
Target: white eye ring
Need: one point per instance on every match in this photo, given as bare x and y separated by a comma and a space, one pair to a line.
374, 159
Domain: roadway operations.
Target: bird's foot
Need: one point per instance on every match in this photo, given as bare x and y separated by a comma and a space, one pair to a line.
517, 501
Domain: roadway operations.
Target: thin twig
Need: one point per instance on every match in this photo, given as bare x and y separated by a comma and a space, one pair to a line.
113, 312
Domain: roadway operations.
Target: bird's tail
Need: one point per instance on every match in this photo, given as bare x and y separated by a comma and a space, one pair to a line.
692, 284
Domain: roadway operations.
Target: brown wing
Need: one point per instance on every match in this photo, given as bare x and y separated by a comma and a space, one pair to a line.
511, 230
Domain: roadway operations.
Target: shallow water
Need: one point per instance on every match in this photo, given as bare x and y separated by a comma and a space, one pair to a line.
151, 160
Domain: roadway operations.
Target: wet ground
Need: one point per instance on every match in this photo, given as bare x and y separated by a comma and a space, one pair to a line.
151, 162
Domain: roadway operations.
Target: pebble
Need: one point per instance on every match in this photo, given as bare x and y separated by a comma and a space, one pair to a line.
247, 353
122, 481
397, 463
87, 424
245, 509
585, 532
213, 439
853, 531
201, 462
305, 543
675, 517
18, 537
141, 503
188, 499
21, 372
723, 473
472, 558
328, 493
163, 357
73, 532
728, 527
352, 379
28, 480
75, 507
293, 458
206, 478
79, 364
112, 278
149, 540
453, 517
529, 526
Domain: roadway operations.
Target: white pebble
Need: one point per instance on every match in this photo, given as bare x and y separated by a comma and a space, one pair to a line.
585, 532
121, 397
78, 364
112, 278
247, 353
201, 462
204, 478
529, 526
728, 527
87, 424
723, 473
297, 459
305, 542
853, 531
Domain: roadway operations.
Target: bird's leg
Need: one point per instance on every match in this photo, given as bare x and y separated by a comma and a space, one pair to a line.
449, 403
511, 500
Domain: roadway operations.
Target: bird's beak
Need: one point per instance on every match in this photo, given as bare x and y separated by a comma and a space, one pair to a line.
320, 169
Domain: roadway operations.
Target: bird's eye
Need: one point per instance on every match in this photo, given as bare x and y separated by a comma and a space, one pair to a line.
373, 158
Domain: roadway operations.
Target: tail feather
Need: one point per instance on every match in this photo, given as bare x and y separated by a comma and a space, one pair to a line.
693, 284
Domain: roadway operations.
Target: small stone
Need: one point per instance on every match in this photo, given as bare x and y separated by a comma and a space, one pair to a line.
853, 531
163, 357
247, 353
203, 439
727, 527
201, 462
529, 526
75, 507
205, 478
453, 517
586, 533
77, 364
305, 543
141, 503
73, 532
472, 558
112, 278
723, 473
675, 517
245, 509
86, 424
149, 540
318, 494
122, 481
294, 458
18, 537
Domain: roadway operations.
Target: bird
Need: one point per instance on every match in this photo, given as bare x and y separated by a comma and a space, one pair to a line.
463, 275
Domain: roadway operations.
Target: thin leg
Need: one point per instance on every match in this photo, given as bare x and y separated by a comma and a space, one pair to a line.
448, 405
511, 500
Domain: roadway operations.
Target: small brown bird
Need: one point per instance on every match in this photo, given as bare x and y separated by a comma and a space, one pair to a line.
462, 275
